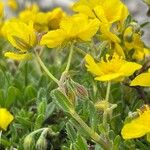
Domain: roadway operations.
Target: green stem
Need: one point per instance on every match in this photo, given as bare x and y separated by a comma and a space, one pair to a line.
69, 58
90, 131
45, 69
108, 91
26, 73
106, 99
79, 50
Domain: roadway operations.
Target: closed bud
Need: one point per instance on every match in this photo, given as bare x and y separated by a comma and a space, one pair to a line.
81, 91
28, 142
102, 105
41, 144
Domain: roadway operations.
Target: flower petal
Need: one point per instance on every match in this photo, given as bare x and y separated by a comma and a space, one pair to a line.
53, 38
92, 66
5, 118
129, 68
109, 77
141, 80
18, 57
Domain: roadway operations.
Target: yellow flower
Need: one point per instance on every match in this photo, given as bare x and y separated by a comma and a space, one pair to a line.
139, 126
71, 28
5, 118
29, 13
142, 80
54, 18
108, 12
42, 20
111, 11
111, 69
13, 4
1, 9
22, 36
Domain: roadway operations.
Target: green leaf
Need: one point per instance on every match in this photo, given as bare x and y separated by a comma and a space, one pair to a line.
30, 92
141, 145
81, 143
144, 24
38, 122
117, 142
62, 101
41, 93
50, 109
41, 107
71, 132
11, 96
2, 98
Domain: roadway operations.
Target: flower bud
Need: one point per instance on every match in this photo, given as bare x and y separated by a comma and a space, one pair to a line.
81, 91
41, 144
28, 142
102, 105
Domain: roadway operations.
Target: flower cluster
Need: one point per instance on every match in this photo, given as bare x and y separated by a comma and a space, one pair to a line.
99, 34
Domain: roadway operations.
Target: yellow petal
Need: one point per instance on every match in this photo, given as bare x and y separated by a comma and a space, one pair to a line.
83, 9
141, 80
108, 77
115, 10
129, 68
20, 35
89, 31
1, 9
139, 126
18, 57
86, 7
133, 130
92, 66
105, 30
53, 38
5, 118
99, 11
54, 18
118, 49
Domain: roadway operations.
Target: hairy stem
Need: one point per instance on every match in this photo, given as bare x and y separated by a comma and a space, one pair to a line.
90, 131
45, 69
69, 58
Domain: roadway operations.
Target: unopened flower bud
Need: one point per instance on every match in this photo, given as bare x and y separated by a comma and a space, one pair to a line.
81, 91
41, 143
28, 142
102, 105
